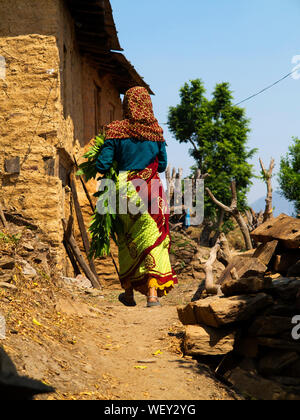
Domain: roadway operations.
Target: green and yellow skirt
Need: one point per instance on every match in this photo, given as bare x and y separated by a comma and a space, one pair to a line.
144, 238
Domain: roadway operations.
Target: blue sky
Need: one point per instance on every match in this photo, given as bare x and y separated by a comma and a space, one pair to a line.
248, 43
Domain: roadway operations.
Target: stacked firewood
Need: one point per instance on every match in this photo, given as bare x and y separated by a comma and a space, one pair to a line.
252, 323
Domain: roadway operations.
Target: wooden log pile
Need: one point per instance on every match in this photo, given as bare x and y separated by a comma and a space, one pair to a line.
252, 327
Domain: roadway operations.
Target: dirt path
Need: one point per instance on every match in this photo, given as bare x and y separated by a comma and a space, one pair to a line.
145, 362
92, 347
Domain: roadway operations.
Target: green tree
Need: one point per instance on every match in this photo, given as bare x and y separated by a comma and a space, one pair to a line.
289, 175
218, 132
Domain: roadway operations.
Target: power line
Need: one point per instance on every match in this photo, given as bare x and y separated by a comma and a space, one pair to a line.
263, 90
267, 88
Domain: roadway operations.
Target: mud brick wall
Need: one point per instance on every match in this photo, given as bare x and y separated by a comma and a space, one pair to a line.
47, 112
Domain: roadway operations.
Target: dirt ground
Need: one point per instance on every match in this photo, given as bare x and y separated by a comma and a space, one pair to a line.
90, 347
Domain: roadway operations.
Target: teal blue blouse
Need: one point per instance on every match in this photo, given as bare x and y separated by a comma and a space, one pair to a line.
132, 154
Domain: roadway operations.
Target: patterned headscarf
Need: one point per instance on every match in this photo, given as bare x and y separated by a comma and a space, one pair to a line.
139, 121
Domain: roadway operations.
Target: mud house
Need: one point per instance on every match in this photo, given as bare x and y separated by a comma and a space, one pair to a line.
61, 76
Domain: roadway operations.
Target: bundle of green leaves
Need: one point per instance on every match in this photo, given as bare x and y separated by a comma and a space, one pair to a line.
103, 226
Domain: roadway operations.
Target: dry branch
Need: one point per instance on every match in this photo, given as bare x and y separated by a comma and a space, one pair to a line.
267, 176
224, 255
234, 211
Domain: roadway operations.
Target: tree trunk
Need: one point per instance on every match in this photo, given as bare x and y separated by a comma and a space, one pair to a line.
234, 211
210, 285
218, 226
205, 235
244, 229
267, 175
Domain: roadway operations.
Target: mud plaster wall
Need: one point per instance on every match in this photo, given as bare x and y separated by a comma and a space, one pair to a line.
47, 106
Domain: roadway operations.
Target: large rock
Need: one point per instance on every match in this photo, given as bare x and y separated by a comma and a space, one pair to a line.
205, 341
246, 285
219, 311
284, 228
186, 314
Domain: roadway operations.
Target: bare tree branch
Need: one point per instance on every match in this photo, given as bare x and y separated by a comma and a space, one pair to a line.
267, 175
234, 211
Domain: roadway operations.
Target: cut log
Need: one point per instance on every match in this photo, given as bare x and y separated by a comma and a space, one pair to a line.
244, 267
205, 341
284, 228
266, 251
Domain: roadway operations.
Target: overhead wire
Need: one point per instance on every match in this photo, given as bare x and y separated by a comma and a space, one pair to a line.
263, 90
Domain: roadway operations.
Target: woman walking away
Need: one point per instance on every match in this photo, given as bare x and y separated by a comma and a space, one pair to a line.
138, 146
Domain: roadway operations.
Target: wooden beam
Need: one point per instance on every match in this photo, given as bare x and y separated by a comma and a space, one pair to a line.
72, 258
85, 188
84, 235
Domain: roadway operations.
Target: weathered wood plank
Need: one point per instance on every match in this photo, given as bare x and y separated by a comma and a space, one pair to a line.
81, 224
284, 228
242, 267
266, 251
